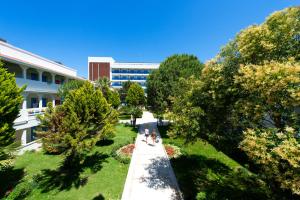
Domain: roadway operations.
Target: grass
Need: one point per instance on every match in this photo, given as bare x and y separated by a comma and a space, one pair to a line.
124, 116
100, 176
203, 172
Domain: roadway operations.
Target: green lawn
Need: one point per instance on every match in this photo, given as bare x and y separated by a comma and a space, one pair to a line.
204, 171
100, 177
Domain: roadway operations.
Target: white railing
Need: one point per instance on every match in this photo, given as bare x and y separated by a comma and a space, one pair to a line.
35, 111
37, 86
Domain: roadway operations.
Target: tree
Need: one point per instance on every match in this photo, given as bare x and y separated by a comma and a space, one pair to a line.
102, 82
162, 84
135, 100
219, 93
277, 39
84, 118
135, 112
10, 100
185, 116
270, 93
135, 96
277, 154
123, 91
114, 99
67, 87
111, 96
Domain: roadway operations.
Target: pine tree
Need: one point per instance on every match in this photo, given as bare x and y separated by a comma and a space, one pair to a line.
84, 118
10, 100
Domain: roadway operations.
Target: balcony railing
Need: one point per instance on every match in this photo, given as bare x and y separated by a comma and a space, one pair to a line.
128, 78
37, 86
130, 71
36, 111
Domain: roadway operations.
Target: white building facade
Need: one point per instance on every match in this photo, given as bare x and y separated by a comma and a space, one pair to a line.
119, 72
42, 77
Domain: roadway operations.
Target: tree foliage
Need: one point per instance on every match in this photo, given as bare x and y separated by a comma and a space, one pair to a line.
278, 38
277, 153
102, 82
252, 83
10, 100
270, 93
84, 118
162, 84
123, 91
67, 87
111, 96
135, 96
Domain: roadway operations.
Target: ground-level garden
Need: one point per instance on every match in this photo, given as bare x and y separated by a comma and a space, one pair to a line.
203, 172
37, 175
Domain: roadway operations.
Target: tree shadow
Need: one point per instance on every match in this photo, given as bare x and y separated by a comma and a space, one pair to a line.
160, 176
197, 174
9, 178
163, 130
99, 197
68, 175
105, 142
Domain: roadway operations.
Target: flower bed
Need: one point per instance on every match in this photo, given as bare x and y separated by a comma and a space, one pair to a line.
124, 153
127, 150
172, 150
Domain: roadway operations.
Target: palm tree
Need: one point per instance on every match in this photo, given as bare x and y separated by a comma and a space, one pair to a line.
102, 83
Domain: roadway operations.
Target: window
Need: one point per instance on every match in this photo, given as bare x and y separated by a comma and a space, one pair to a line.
34, 76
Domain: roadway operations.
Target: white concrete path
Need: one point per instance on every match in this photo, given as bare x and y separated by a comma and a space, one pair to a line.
150, 175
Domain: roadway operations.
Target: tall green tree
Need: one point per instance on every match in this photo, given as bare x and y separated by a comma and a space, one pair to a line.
221, 94
111, 96
162, 84
123, 91
84, 118
10, 100
135, 100
135, 96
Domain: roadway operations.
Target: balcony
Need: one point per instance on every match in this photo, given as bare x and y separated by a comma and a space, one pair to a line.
131, 71
132, 78
37, 86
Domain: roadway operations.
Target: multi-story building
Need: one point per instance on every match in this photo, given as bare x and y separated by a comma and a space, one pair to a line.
119, 72
42, 77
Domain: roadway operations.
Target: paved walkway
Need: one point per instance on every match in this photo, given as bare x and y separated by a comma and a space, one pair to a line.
150, 174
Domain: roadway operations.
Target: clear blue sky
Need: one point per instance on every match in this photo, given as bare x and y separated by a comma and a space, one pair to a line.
131, 30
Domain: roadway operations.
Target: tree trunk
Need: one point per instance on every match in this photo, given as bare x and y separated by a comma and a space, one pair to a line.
134, 122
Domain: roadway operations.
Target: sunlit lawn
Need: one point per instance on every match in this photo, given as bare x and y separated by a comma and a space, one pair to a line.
101, 177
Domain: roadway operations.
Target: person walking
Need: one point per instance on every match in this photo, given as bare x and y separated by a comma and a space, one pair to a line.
146, 134
153, 136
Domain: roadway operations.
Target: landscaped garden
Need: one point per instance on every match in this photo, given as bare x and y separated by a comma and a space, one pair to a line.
233, 132
203, 172
100, 176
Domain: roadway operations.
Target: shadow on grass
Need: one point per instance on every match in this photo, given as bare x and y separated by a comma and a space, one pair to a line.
106, 142
9, 178
68, 175
214, 180
99, 197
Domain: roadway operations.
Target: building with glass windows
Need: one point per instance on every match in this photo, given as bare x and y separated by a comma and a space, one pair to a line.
119, 72
42, 77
